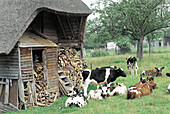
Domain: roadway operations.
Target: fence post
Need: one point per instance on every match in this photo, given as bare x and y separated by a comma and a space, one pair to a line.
91, 66
168, 45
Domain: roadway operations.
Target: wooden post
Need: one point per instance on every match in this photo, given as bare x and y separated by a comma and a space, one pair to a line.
81, 51
6, 97
168, 45
20, 84
91, 66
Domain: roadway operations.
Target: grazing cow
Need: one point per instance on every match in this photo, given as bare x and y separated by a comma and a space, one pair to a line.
120, 89
77, 99
168, 74
140, 90
155, 72
101, 76
132, 62
100, 93
168, 89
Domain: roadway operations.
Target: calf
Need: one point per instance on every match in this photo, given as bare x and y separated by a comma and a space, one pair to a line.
168, 89
155, 72
77, 99
100, 93
141, 90
120, 89
101, 76
132, 62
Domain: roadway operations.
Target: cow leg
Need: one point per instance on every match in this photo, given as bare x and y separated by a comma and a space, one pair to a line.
136, 67
97, 86
86, 84
108, 86
128, 67
132, 72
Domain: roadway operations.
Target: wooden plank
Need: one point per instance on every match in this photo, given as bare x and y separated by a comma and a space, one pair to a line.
6, 97
20, 84
71, 29
13, 93
1, 87
62, 28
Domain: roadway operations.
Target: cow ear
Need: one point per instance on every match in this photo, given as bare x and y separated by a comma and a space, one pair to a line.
99, 88
147, 78
156, 68
117, 83
126, 58
122, 83
108, 87
163, 67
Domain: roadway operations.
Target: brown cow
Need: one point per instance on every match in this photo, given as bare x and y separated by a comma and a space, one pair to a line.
142, 88
155, 72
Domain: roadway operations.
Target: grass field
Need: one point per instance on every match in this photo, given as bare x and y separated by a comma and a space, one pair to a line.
158, 102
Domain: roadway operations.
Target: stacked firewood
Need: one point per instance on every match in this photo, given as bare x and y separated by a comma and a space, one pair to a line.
72, 65
43, 97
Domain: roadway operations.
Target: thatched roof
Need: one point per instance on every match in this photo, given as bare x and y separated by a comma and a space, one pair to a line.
16, 15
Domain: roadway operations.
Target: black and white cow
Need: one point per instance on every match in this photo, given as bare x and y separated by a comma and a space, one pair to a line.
76, 99
132, 62
100, 76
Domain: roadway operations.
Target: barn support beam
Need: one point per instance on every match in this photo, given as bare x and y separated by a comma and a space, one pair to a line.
6, 96
71, 29
62, 28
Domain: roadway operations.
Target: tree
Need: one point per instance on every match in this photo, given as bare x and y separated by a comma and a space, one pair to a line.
133, 18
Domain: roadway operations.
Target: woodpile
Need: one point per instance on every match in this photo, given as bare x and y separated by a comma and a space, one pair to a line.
72, 65
43, 97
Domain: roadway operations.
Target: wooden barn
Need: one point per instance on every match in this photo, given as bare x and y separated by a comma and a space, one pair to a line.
31, 32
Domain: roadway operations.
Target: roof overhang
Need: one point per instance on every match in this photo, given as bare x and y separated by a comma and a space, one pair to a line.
29, 39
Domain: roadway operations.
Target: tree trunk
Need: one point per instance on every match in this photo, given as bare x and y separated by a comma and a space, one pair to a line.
149, 40
140, 48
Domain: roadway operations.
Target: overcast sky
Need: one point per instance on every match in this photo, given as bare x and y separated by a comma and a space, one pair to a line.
88, 2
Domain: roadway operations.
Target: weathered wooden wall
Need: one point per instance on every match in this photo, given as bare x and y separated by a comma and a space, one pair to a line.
52, 64
9, 69
9, 66
26, 64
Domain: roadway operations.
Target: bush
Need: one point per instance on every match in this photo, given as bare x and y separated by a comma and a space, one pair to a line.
98, 53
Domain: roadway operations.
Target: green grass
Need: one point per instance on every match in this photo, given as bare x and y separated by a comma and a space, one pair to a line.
156, 103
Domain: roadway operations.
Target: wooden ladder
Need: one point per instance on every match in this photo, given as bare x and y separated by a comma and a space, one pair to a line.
66, 85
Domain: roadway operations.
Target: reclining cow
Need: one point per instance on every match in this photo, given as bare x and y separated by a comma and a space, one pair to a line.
120, 89
154, 72
142, 88
132, 62
101, 76
139, 90
76, 98
99, 94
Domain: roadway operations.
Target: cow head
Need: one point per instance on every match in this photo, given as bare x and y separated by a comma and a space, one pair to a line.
120, 72
74, 92
159, 71
142, 80
104, 90
151, 82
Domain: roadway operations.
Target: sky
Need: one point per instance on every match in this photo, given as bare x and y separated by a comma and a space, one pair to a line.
88, 2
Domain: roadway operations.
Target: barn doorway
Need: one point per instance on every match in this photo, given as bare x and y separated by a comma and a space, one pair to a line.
38, 65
